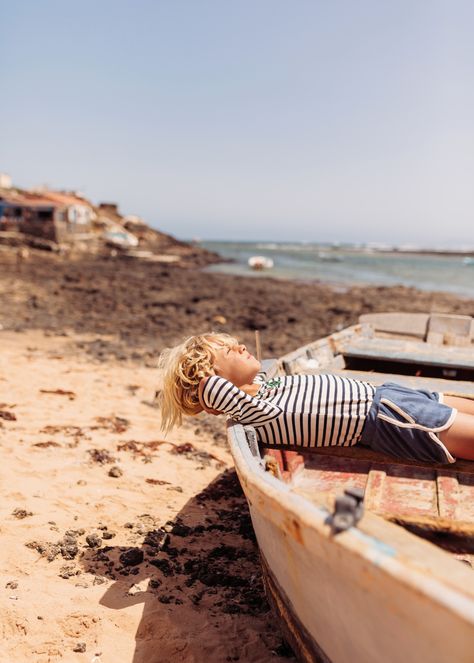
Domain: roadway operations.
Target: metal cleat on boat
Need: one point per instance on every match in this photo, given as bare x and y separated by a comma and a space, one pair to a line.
349, 509
272, 466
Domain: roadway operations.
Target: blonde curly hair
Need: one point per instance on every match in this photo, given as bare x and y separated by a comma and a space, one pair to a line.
184, 366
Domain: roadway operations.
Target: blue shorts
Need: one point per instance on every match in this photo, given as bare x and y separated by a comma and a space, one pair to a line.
404, 422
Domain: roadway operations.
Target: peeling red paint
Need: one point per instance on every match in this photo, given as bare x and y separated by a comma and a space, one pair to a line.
437, 499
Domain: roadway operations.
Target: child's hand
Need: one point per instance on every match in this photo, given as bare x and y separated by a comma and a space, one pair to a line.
201, 400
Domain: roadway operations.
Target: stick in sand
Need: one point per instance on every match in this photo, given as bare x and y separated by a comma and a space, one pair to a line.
258, 347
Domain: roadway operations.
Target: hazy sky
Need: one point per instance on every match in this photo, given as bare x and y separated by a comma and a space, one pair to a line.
251, 119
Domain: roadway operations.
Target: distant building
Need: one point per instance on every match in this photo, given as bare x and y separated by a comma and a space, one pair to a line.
79, 213
5, 181
110, 208
50, 215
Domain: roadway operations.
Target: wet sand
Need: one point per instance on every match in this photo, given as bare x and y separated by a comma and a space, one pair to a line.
117, 542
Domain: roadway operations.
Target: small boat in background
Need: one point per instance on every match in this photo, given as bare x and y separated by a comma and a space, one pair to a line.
325, 256
393, 584
260, 263
120, 238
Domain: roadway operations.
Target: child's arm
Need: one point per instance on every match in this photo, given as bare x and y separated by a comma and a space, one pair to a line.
218, 395
204, 406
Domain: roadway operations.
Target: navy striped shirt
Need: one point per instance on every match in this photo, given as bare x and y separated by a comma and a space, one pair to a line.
304, 410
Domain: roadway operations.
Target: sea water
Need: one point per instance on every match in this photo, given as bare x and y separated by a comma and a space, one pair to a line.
347, 265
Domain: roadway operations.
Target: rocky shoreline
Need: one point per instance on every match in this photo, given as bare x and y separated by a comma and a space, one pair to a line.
149, 305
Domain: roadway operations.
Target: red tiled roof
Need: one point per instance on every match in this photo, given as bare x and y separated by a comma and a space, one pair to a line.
28, 199
42, 199
65, 198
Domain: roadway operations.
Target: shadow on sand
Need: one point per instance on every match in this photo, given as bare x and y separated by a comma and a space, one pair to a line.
196, 575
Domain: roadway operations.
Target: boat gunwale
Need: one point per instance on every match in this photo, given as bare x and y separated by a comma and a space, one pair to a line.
438, 575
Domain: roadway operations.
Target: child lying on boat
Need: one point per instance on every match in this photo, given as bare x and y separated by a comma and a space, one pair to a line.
213, 372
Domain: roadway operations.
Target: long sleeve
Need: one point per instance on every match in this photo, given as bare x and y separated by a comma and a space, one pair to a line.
221, 395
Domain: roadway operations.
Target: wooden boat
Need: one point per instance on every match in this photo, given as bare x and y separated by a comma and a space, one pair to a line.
397, 584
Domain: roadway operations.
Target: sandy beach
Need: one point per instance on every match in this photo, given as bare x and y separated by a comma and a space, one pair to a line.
118, 544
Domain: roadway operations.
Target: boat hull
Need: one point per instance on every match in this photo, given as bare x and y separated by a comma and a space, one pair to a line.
294, 631
372, 593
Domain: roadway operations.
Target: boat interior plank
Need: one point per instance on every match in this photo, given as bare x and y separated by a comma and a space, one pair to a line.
406, 351
434, 499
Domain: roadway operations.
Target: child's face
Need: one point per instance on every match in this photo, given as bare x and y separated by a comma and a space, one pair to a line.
234, 363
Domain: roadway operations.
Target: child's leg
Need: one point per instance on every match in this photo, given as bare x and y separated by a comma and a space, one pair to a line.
459, 437
465, 405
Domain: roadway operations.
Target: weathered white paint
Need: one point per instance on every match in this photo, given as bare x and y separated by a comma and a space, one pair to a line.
374, 593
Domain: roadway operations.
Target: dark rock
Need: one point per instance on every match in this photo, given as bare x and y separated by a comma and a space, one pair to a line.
108, 535
164, 566
165, 598
154, 538
69, 547
8, 416
68, 571
180, 530
100, 456
45, 549
131, 557
115, 472
93, 540
21, 513
284, 650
